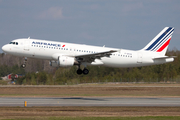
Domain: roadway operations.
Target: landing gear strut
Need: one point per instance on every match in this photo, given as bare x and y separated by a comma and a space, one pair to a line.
24, 63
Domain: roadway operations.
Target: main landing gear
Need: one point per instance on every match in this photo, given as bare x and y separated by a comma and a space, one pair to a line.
24, 63
85, 71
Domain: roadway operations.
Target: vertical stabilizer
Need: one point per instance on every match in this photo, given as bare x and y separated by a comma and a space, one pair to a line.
161, 42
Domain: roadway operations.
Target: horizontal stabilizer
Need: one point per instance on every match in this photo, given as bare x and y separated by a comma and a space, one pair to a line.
163, 57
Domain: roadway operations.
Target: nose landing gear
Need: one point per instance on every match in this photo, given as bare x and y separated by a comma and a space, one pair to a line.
24, 63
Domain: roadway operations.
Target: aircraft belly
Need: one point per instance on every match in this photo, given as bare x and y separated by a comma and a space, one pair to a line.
119, 62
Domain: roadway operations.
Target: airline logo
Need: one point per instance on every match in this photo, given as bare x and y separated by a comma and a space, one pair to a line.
162, 41
48, 44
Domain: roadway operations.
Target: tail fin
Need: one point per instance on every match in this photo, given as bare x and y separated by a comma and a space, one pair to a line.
160, 42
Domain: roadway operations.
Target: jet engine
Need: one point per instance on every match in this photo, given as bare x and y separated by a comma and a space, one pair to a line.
62, 62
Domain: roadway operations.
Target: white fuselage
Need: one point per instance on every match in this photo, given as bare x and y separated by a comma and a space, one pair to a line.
42, 49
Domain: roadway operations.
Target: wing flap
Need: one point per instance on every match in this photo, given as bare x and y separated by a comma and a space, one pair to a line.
100, 54
91, 57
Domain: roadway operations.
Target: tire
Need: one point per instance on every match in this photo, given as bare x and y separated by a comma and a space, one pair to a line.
23, 65
85, 71
79, 71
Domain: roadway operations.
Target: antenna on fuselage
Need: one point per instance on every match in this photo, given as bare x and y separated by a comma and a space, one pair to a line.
29, 37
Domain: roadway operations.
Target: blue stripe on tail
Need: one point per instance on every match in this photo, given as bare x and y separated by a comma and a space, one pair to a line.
155, 42
162, 40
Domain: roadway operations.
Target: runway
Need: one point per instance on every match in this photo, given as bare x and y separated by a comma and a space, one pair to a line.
89, 101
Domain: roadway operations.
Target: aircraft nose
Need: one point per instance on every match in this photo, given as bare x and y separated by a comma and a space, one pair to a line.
5, 48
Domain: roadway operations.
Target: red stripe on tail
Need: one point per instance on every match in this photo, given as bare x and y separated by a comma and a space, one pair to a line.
164, 46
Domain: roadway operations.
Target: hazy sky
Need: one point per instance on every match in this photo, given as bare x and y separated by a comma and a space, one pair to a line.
128, 24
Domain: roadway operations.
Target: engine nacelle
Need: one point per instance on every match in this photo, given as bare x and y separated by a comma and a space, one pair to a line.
62, 62
66, 61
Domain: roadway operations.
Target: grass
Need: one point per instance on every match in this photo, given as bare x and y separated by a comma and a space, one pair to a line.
101, 118
90, 91
118, 118
2, 82
85, 112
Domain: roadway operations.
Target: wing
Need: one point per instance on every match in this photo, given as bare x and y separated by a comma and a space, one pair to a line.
91, 57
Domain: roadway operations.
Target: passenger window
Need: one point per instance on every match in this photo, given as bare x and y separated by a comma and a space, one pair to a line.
16, 43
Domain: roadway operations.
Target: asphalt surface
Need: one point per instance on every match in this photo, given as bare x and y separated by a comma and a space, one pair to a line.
89, 101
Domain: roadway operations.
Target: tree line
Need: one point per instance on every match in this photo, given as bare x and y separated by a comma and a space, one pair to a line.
39, 72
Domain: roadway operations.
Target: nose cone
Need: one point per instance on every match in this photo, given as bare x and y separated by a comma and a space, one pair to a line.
5, 48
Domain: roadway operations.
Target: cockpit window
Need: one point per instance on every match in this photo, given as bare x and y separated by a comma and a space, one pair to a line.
14, 43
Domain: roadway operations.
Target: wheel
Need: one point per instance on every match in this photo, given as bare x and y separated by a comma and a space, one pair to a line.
79, 71
23, 65
85, 71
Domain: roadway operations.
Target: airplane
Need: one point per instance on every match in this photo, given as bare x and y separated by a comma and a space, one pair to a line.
62, 54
